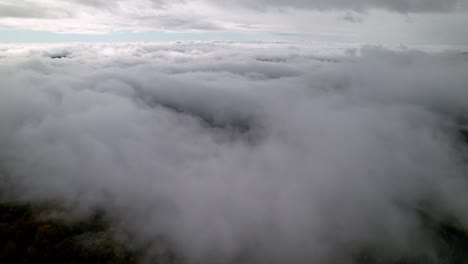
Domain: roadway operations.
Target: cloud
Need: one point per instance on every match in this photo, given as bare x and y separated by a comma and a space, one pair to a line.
178, 23
115, 3
95, 3
95, 16
275, 16
404, 6
352, 17
13, 9
259, 152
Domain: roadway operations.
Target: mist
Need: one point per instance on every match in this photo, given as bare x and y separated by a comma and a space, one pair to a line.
241, 152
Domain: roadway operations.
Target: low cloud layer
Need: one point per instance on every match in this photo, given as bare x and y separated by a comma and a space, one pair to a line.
250, 153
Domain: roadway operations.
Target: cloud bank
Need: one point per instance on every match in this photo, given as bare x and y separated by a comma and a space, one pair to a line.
382, 21
404, 6
241, 153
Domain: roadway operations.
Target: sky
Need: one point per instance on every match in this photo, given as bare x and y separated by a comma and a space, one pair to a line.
352, 21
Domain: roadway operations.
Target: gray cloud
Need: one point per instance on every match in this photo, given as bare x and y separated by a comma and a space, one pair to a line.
259, 152
242, 16
96, 3
177, 23
404, 6
352, 17
29, 10
110, 4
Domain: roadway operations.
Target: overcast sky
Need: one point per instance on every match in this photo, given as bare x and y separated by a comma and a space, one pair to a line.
375, 21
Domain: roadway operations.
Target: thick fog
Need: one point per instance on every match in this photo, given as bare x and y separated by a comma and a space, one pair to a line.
231, 152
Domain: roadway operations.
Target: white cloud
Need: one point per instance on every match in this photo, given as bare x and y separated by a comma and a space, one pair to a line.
271, 152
